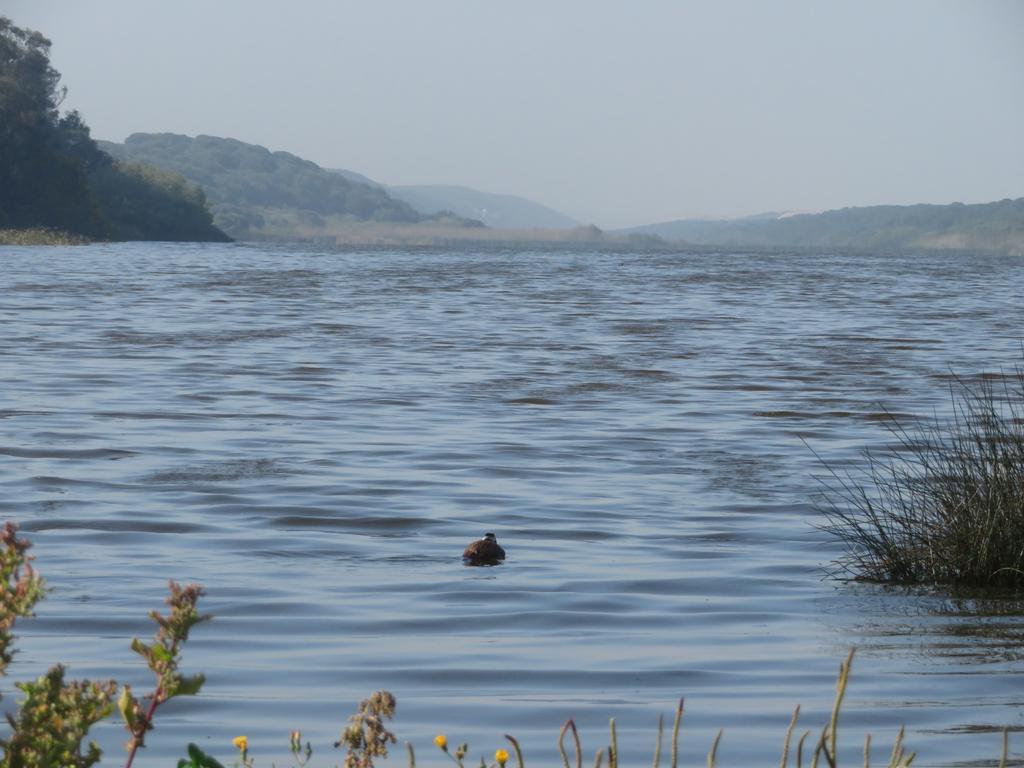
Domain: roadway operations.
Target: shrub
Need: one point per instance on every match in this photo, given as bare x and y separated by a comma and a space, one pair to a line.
54, 716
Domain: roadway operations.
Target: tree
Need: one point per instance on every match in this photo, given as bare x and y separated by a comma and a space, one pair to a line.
52, 173
43, 178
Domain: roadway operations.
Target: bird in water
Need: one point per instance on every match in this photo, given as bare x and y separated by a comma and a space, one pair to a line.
484, 551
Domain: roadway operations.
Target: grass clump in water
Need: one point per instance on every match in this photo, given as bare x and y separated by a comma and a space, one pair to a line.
944, 504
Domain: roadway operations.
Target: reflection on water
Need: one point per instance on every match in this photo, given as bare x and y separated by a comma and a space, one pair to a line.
316, 436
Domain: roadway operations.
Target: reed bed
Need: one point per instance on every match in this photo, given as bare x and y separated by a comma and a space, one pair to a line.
39, 236
945, 503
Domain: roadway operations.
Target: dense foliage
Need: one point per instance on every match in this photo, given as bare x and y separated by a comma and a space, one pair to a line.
258, 194
53, 175
997, 226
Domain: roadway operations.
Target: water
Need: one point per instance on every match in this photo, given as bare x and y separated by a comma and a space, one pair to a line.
315, 436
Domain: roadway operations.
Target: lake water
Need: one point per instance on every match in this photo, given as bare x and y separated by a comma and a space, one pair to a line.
315, 436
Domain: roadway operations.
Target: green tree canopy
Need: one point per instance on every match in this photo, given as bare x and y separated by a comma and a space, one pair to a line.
52, 173
42, 174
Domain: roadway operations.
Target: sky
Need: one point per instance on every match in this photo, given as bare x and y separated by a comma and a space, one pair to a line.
614, 113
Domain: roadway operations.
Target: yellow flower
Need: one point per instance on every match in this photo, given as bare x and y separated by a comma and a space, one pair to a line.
442, 741
501, 756
241, 742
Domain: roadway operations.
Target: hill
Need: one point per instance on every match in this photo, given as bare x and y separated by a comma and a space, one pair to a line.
494, 210
54, 177
997, 226
357, 177
257, 194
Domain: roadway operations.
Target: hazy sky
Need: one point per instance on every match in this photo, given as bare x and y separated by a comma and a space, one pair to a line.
616, 113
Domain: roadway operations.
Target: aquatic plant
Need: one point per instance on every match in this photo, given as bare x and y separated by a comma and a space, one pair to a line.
945, 503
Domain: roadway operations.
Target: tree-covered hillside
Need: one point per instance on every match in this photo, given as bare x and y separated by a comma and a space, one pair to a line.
995, 226
259, 194
52, 174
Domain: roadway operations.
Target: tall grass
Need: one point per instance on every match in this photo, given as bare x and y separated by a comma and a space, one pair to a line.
945, 503
812, 749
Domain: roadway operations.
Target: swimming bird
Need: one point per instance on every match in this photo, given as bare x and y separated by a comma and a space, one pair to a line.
484, 551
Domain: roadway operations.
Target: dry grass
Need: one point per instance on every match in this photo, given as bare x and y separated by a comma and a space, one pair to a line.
809, 752
38, 236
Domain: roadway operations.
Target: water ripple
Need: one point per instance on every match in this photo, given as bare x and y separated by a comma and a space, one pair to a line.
315, 436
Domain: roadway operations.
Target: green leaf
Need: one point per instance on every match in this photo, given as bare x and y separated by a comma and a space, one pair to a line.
199, 759
128, 706
140, 647
189, 686
160, 653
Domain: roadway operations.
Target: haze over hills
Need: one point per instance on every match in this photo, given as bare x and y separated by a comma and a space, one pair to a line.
997, 226
495, 210
256, 194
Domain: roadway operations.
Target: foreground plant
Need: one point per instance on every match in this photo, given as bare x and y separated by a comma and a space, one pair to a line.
55, 715
300, 754
20, 588
945, 504
198, 759
366, 737
162, 656
54, 719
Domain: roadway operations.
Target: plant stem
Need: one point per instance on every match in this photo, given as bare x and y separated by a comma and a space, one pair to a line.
139, 737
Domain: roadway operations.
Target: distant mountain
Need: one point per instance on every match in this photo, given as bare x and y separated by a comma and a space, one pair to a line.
997, 226
495, 210
256, 194
358, 178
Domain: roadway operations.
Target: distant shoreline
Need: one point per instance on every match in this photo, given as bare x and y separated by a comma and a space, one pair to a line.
40, 236
383, 237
